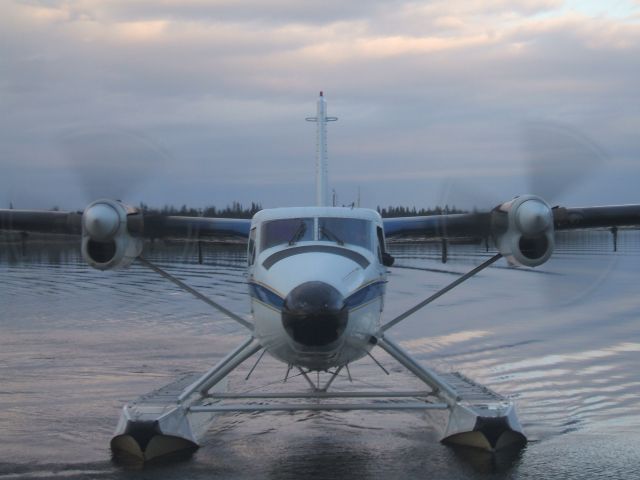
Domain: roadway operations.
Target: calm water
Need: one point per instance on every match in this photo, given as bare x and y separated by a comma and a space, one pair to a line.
562, 340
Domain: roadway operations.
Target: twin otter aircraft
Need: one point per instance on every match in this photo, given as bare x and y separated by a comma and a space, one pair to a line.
317, 278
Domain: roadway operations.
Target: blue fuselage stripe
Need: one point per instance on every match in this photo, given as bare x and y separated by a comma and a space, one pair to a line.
365, 295
266, 296
362, 296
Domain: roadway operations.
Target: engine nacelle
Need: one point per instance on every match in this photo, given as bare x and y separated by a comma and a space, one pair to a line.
523, 230
106, 241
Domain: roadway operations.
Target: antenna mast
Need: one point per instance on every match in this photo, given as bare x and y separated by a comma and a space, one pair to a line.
322, 169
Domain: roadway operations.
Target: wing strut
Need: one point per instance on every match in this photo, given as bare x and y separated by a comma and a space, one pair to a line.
427, 375
195, 293
225, 366
440, 292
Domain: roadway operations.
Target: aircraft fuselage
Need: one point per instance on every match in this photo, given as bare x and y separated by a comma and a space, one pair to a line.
317, 283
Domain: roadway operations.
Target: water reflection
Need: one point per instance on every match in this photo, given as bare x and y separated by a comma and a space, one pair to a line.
321, 455
76, 343
501, 462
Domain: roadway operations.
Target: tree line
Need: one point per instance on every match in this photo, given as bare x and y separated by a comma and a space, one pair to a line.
235, 210
238, 210
390, 212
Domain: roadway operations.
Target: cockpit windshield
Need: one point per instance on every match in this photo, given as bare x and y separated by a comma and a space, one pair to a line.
354, 231
342, 231
286, 231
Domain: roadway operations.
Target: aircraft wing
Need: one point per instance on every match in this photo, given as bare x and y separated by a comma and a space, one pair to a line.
158, 226
479, 225
149, 226
465, 225
596, 217
41, 221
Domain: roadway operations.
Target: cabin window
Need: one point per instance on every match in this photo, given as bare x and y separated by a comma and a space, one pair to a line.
353, 231
287, 231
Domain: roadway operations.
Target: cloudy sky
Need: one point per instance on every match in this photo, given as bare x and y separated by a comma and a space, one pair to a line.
203, 102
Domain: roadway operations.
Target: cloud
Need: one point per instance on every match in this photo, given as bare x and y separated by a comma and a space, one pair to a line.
424, 90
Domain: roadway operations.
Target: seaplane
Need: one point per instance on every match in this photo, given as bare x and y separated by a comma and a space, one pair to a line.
317, 278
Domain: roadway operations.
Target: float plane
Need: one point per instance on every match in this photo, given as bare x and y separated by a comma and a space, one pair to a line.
317, 278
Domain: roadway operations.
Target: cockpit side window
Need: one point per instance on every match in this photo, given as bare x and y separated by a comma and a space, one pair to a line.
381, 247
354, 231
285, 231
385, 257
251, 251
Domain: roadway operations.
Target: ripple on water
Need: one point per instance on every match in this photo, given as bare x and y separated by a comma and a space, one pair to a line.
77, 343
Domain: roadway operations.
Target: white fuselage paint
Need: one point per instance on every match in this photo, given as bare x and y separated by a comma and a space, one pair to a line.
349, 268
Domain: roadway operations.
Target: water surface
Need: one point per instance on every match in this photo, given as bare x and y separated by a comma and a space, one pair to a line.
562, 340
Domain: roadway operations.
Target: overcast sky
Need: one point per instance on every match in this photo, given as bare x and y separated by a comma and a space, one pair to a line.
203, 102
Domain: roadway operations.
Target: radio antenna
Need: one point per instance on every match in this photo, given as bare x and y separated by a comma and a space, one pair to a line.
322, 168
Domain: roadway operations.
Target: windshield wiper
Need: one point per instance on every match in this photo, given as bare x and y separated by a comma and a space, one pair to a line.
325, 232
299, 233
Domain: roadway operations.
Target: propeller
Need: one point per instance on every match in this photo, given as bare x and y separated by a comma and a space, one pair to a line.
557, 160
112, 162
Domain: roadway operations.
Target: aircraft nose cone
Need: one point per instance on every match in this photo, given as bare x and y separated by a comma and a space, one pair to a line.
101, 221
314, 314
533, 217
